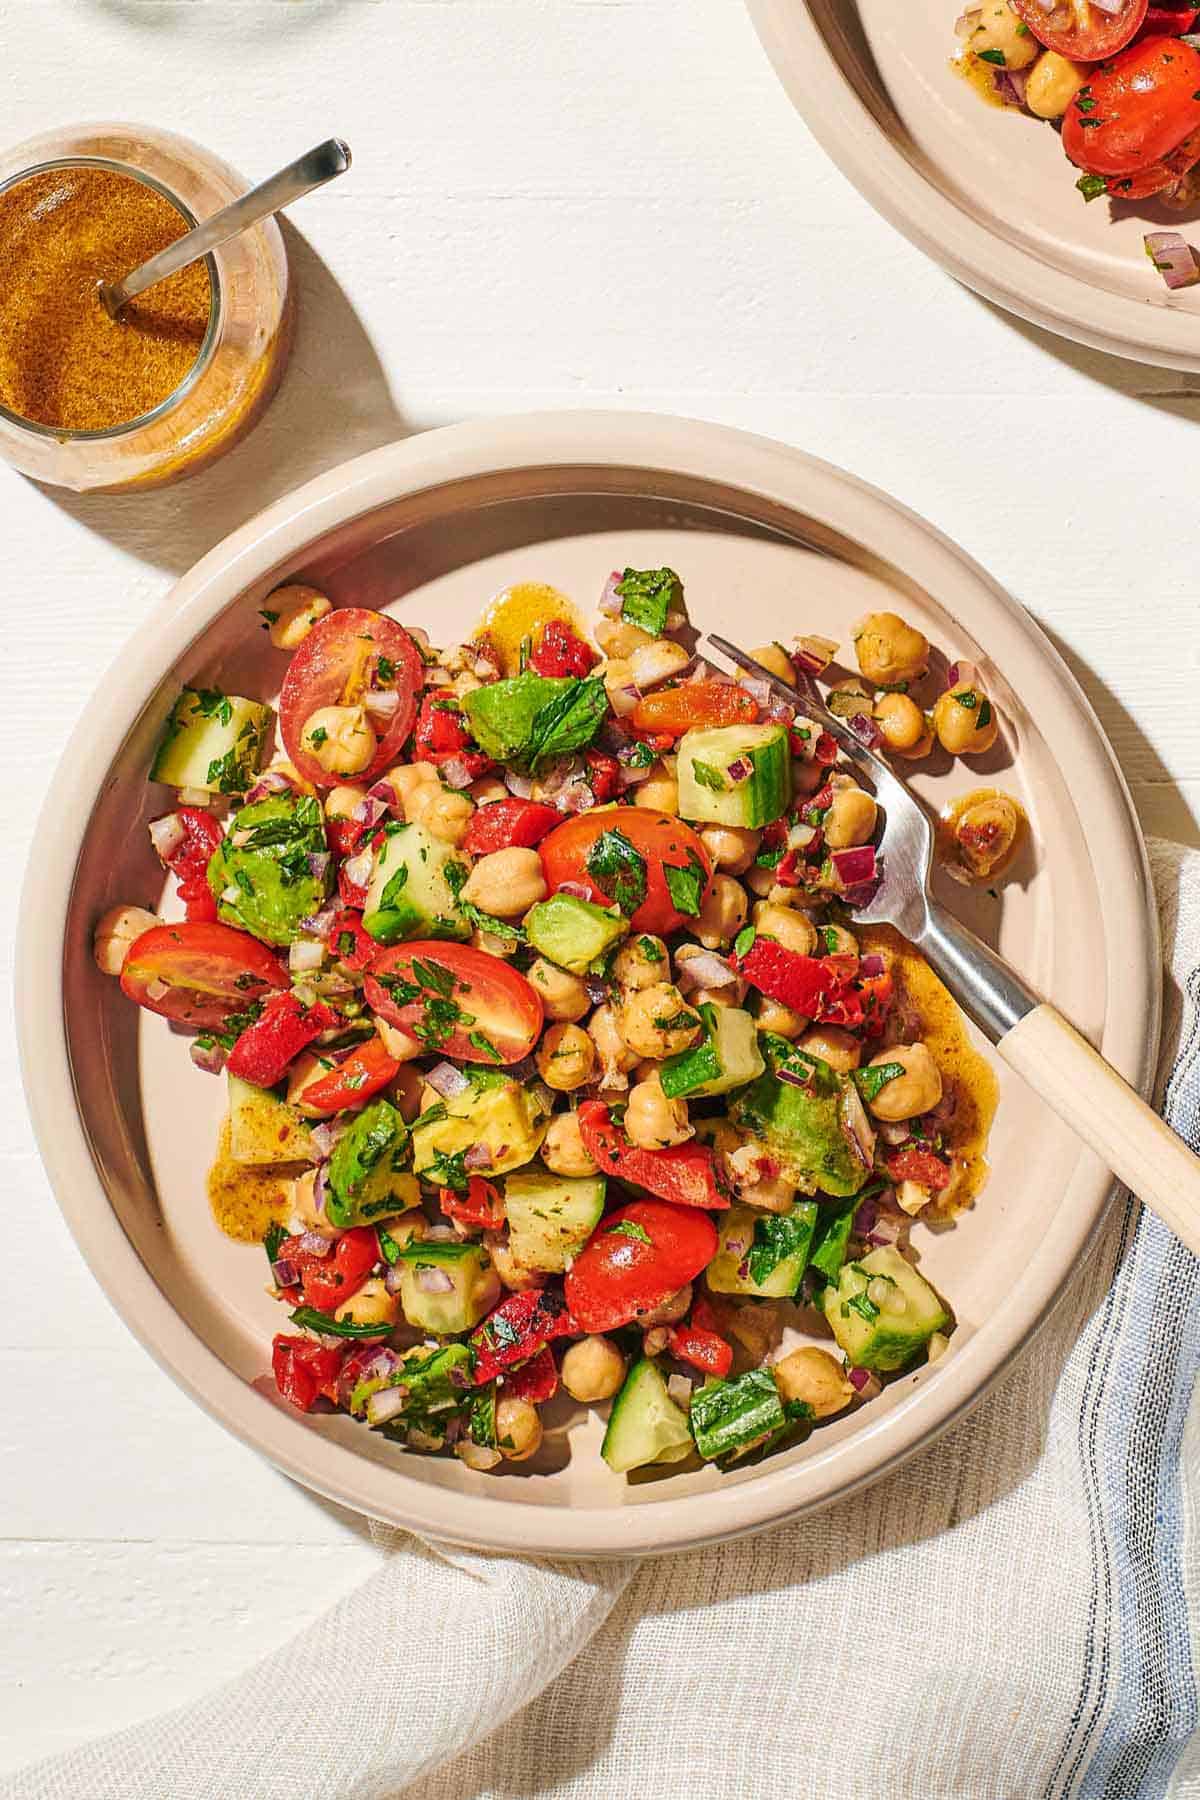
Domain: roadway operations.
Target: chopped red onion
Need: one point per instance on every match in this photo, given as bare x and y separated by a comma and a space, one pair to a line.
239, 839
865, 730
382, 790
271, 781
895, 1132
623, 700
167, 834
867, 1384
597, 987
634, 777
940, 1116
323, 1138
208, 1056
740, 769
156, 989
434, 1281
447, 1080
440, 1234
318, 864
778, 712
231, 895
886, 1230
854, 866
455, 773
865, 1217
803, 837
871, 966
814, 654
1174, 259
575, 796
384, 1404
961, 672
319, 924
321, 1188
857, 1129
478, 1156
370, 811
380, 705
575, 888
284, 1273
680, 1390
305, 954
706, 970
758, 689
792, 1077
316, 1243
357, 869
610, 601
1010, 85
391, 1278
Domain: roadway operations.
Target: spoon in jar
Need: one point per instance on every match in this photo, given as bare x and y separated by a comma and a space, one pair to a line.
312, 170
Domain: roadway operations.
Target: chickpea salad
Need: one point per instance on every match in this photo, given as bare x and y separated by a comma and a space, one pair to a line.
1119, 80
553, 1056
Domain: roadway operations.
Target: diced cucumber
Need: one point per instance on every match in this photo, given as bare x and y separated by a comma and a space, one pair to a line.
551, 1217
571, 932
415, 881
886, 1332
726, 1057
264, 1128
645, 1425
707, 790
474, 1286
728, 1418
764, 1254
828, 1251
494, 1111
212, 741
807, 1128
367, 1179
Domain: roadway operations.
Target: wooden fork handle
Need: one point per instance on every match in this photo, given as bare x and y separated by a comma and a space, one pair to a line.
1104, 1111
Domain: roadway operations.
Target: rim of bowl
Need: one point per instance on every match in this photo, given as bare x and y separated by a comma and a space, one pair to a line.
647, 444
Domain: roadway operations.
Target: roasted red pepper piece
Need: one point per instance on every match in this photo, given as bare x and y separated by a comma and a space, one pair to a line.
304, 1370
326, 1281
441, 733
1168, 21
265, 1050
189, 862
503, 824
516, 1330
816, 987
560, 652
347, 940
479, 1209
918, 1165
696, 703
703, 1349
344, 835
535, 1381
603, 774
684, 1173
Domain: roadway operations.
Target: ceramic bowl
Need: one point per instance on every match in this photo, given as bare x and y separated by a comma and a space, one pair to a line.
768, 541
985, 191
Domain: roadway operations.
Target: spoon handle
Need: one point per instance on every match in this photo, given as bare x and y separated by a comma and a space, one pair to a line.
312, 170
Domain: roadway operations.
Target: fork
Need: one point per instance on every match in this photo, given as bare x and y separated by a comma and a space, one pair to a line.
1031, 1035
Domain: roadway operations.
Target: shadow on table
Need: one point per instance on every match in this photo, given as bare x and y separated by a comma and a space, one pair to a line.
334, 402
1172, 390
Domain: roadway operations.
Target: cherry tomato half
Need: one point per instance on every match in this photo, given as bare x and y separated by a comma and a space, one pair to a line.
334, 666
664, 844
459, 1002
1135, 110
326, 1281
198, 974
303, 1370
1081, 31
634, 1259
352, 1083
678, 709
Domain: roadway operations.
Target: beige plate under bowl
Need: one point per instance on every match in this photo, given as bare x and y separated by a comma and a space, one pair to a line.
768, 541
985, 191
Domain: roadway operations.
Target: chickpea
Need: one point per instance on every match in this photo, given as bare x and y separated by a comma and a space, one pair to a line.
840, 1049
794, 930
340, 802
669, 1311
815, 1377
732, 847
911, 1196
566, 1058
593, 1369
398, 1043
297, 608
965, 719
722, 913
518, 1429
850, 819
487, 789
339, 739
901, 722
760, 881
115, 931
606, 1031
618, 638
406, 1090
889, 650
1000, 29
564, 996
807, 777
512, 1273
480, 1457
405, 778
492, 944
641, 962
442, 811
773, 1016
914, 1092
986, 833
506, 882
757, 1327
657, 661
656, 1021
775, 658
618, 678
371, 1305
652, 1121
659, 791
563, 1149
772, 1193
407, 1227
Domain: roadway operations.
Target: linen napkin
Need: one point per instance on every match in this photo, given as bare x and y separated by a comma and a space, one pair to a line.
1010, 1615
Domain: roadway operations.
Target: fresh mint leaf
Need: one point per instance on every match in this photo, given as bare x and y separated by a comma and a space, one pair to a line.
776, 1237
309, 1319
647, 596
618, 869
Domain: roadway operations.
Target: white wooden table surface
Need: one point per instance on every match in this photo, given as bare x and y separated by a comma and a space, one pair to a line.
554, 203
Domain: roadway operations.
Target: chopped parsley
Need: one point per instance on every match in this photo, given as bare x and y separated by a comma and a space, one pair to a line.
309, 1319
630, 1229
268, 618
228, 773
870, 1080
619, 870
274, 1238
211, 703
318, 737
776, 1237
448, 1171
992, 56
708, 776
484, 921
863, 1306
651, 949
685, 886
484, 1045
386, 667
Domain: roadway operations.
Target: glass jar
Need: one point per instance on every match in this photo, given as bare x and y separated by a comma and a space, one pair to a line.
245, 347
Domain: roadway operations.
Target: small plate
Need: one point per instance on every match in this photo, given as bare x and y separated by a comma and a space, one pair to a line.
768, 542
985, 191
